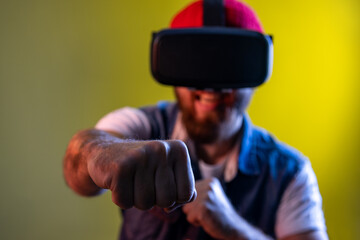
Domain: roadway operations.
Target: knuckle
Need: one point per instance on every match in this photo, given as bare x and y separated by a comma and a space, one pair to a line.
179, 145
200, 216
134, 154
193, 219
179, 149
134, 157
157, 152
107, 182
159, 148
125, 167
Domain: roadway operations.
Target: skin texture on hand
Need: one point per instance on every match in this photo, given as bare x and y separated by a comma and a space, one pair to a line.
139, 174
210, 210
214, 213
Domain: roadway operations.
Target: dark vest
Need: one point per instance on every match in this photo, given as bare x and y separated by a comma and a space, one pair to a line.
266, 167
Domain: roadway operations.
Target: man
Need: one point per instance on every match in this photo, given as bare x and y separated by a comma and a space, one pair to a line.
248, 185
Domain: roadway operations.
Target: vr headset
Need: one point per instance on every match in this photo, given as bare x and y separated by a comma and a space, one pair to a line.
213, 56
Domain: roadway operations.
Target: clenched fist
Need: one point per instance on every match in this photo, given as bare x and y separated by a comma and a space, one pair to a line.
143, 174
213, 211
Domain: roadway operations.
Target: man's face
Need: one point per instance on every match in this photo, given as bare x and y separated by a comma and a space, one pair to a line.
212, 115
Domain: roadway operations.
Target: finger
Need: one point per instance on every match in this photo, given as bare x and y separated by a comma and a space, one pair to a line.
123, 188
187, 208
118, 197
184, 177
194, 222
165, 187
144, 183
144, 189
193, 219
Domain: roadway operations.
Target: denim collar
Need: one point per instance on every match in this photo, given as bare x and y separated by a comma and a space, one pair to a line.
247, 161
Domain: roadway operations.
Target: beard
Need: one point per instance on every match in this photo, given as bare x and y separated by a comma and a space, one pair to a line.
209, 129
204, 131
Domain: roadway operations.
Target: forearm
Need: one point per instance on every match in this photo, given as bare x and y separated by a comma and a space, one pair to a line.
139, 174
83, 146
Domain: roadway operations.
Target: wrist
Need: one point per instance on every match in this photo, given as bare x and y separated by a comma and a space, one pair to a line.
82, 150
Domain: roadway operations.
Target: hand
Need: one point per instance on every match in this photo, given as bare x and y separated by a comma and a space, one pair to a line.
143, 174
212, 210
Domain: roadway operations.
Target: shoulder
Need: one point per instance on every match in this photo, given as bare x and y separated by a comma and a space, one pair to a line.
148, 122
127, 121
300, 208
276, 155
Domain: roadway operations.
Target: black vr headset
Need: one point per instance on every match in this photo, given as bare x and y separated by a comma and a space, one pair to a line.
213, 56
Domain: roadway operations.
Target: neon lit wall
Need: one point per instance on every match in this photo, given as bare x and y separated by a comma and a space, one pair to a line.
64, 64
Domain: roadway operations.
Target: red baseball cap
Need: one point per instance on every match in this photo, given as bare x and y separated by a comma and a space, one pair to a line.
237, 14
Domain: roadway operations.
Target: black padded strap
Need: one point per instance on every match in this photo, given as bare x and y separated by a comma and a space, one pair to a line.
214, 13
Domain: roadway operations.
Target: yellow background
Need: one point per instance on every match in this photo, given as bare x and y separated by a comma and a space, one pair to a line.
64, 64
